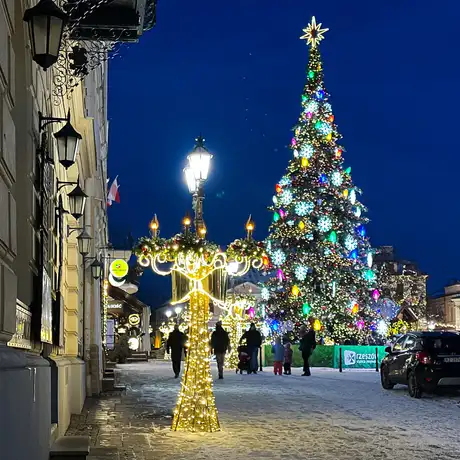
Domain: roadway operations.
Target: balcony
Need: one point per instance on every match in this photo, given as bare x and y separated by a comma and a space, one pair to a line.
114, 20
21, 338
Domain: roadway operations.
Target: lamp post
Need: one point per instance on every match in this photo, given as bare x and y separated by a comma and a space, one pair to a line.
199, 262
196, 173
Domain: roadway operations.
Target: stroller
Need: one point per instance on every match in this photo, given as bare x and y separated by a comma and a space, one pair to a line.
243, 359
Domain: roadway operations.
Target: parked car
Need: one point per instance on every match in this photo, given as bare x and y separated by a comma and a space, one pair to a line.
424, 361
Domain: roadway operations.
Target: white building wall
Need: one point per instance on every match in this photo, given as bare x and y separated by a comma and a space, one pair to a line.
29, 383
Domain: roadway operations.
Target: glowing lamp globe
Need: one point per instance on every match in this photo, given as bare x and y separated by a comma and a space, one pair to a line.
199, 161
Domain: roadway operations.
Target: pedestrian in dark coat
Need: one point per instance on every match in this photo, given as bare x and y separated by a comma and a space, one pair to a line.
175, 344
307, 345
220, 343
253, 340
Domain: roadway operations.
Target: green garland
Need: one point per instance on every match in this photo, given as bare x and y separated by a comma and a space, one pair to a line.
245, 248
181, 242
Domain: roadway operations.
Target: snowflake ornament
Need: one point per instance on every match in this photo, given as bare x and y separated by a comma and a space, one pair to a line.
264, 293
324, 223
301, 272
278, 257
336, 178
286, 197
285, 180
323, 127
304, 208
311, 106
307, 151
350, 242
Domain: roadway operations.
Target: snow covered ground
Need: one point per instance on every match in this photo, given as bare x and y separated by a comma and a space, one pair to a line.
323, 417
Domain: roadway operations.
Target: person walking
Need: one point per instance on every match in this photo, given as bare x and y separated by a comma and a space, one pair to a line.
220, 343
307, 345
175, 344
278, 352
253, 342
288, 352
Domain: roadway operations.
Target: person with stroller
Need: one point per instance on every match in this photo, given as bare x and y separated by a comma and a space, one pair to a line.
220, 343
175, 344
243, 359
253, 340
307, 345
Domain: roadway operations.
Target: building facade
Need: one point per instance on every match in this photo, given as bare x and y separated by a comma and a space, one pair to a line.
401, 282
51, 340
444, 307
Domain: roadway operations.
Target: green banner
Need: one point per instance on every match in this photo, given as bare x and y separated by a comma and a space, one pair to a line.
358, 356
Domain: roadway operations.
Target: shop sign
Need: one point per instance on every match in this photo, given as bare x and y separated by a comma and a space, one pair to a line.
119, 268
134, 320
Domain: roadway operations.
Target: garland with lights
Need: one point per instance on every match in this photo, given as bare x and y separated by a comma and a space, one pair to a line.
317, 244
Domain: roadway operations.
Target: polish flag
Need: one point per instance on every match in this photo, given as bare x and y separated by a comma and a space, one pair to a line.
113, 194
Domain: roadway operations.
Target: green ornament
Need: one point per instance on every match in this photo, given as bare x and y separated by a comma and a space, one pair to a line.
304, 98
318, 124
306, 309
348, 170
311, 74
333, 237
276, 217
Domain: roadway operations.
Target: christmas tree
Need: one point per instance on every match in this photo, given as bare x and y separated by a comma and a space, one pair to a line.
317, 242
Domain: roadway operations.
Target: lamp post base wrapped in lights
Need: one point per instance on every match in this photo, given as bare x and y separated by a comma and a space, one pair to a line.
196, 408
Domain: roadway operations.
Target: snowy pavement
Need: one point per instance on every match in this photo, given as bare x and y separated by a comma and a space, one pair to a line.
328, 416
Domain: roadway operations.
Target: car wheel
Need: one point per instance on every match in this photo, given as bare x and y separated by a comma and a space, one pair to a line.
385, 379
415, 390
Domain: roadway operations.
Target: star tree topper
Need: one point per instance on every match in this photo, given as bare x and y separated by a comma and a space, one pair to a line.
313, 33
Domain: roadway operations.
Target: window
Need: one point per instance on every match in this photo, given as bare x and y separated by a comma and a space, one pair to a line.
410, 342
398, 346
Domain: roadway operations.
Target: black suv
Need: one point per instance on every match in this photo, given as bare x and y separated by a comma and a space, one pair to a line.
424, 361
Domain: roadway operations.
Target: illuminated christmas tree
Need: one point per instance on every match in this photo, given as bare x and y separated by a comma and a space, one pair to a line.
317, 242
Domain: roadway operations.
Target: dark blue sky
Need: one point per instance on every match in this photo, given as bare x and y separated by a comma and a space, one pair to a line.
235, 72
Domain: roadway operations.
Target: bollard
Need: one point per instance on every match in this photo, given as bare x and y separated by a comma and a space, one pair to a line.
260, 360
340, 359
376, 359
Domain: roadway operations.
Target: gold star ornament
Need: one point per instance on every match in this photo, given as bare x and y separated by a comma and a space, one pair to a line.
313, 33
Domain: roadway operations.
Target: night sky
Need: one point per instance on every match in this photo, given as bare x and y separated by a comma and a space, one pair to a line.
235, 71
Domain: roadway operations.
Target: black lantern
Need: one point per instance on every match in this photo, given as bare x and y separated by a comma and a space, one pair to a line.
46, 23
96, 268
68, 141
84, 243
77, 201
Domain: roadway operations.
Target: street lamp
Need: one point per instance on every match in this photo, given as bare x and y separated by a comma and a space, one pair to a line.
96, 268
77, 200
84, 243
178, 310
67, 138
46, 23
168, 313
196, 173
68, 141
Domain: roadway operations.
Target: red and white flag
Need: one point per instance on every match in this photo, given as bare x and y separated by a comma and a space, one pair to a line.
113, 194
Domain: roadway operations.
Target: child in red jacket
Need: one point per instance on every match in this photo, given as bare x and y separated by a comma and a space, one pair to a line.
287, 359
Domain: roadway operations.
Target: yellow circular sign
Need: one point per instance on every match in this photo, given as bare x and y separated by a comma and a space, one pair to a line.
134, 320
119, 268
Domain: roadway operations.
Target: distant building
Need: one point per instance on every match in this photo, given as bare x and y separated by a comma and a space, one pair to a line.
444, 307
402, 282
